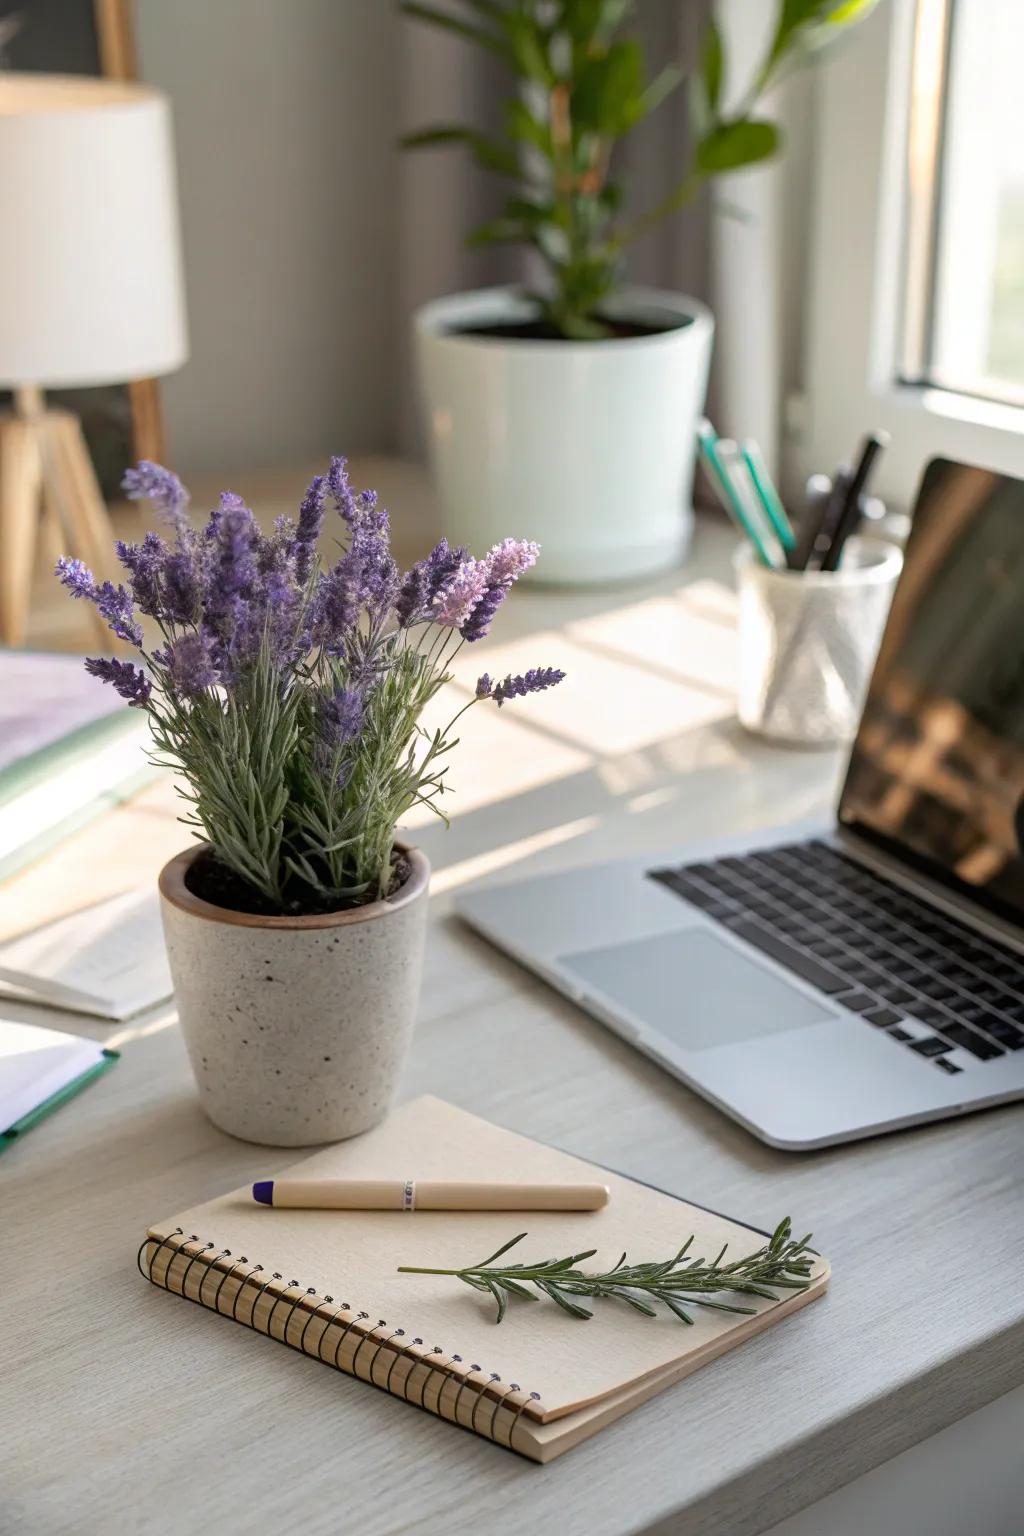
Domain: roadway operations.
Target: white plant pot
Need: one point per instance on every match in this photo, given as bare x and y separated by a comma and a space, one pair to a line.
296, 1027
585, 446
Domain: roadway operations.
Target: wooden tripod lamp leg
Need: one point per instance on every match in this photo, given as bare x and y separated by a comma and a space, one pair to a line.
20, 490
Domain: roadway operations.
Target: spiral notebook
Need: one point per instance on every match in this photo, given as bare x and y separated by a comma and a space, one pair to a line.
325, 1283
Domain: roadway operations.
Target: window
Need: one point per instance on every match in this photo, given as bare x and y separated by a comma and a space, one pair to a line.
963, 320
916, 303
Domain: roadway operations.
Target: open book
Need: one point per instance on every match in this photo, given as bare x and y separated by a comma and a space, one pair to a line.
107, 959
326, 1282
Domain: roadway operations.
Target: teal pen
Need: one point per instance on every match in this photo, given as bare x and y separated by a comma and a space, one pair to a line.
727, 493
768, 495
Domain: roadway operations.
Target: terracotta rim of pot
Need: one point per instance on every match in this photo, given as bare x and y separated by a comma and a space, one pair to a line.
173, 889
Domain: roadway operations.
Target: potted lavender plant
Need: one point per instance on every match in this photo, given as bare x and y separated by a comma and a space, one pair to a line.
288, 697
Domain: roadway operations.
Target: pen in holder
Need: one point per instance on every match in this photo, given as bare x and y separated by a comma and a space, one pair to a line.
807, 641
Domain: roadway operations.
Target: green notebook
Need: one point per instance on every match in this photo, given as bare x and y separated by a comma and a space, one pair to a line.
41, 1069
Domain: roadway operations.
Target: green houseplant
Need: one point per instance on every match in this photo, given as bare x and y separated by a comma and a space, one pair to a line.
518, 414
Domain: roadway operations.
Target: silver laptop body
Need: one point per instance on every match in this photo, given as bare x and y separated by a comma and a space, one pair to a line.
777, 1033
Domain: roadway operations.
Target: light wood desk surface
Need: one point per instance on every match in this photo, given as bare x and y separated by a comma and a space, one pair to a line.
123, 1410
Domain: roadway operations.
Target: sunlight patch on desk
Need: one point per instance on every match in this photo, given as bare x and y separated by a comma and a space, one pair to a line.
668, 635
483, 864
132, 1032
605, 705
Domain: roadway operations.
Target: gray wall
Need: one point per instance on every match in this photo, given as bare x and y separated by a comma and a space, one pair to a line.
284, 122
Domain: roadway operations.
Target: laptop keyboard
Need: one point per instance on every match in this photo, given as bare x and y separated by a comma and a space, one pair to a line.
869, 945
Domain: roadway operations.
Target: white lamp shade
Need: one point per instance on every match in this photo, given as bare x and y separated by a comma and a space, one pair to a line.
90, 252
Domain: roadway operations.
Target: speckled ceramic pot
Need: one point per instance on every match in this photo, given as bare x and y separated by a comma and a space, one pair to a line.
296, 1027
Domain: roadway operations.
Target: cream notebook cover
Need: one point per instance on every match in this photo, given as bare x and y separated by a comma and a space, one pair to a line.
538, 1383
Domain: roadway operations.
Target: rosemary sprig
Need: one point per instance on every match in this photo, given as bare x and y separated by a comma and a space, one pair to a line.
676, 1283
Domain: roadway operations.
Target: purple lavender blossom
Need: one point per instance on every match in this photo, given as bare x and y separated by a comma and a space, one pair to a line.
479, 621
534, 681
114, 603
424, 581
413, 599
335, 609
457, 599
127, 679
189, 665
145, 566
77, 577
311, 518
182, 585
340, 716
507, 561
151, 482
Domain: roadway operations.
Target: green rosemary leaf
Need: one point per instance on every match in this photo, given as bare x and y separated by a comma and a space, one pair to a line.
503, 1249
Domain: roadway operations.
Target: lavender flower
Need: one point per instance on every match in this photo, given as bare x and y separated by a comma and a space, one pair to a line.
235, 568
145, 566
340, 716
151, 482
335, 609
189, 665
114, 603
341, 491
414, 598
479, 621
424, 582
127, 679
77, 577
311, 518
507, 561
534, 681
182, 586
338, 721
457, 599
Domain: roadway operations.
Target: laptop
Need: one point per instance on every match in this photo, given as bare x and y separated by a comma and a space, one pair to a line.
821, 984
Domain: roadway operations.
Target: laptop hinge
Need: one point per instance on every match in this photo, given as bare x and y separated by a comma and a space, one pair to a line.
932, 891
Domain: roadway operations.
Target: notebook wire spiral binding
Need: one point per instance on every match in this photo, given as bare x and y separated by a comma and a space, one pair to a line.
489, 1392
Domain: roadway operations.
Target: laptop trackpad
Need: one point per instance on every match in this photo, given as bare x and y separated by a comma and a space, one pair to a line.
696, 988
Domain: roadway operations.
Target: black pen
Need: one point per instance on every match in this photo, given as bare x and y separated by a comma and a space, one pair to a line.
819, 489
830, 518
851, 511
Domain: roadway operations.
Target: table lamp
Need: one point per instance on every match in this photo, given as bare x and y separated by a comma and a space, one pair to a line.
90, 293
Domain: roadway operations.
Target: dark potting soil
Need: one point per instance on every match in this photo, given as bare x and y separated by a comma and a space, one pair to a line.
211, 880
541, 330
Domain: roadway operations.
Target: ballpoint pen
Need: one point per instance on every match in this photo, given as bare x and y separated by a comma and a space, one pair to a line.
768, 496
852, 509
727, 493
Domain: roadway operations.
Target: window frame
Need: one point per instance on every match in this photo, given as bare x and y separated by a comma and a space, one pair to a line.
857, 315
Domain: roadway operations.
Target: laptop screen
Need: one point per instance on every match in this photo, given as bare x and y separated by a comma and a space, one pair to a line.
937, 771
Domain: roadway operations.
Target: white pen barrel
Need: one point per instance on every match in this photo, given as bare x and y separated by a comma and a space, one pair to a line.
433, 1195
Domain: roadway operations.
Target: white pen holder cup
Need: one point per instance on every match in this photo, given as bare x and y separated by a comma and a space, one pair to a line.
808, 639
